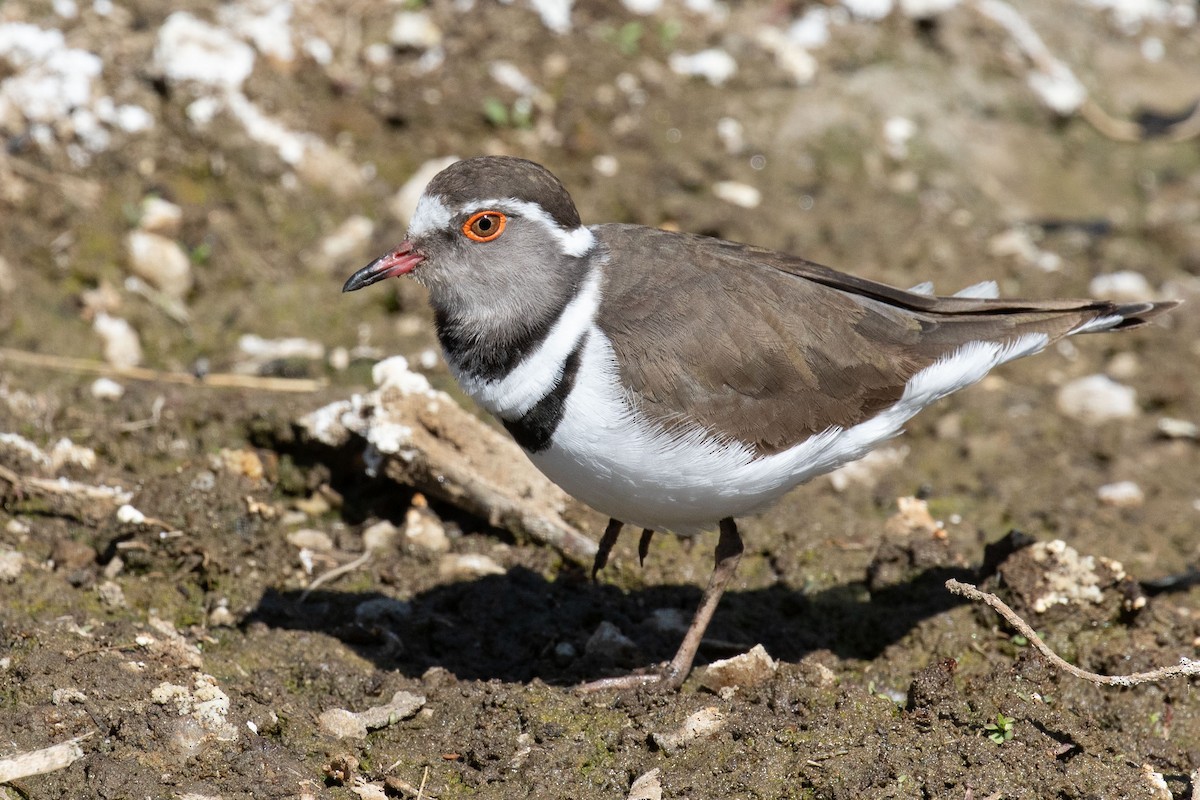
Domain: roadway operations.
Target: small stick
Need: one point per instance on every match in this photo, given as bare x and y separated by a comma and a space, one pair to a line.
1186, 666
39, 762
222, 380
326, 577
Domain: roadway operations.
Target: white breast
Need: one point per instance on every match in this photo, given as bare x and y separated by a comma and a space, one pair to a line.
612, 457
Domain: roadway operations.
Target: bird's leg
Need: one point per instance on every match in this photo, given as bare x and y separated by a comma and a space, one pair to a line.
606, 545
644, 545
673, 673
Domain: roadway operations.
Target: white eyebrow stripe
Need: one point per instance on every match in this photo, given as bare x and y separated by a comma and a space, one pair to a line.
574, 242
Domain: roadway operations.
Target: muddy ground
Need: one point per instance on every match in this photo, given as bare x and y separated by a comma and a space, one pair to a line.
184, 647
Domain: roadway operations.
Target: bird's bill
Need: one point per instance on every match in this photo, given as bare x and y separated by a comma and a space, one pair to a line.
401, 261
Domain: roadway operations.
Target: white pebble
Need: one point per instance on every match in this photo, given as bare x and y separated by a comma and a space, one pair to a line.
160, 262
428, 358
107, 389
605, 165
394, 372
1178, 428
923, 9
415, 29
1097, 398
424, 530
129, 515
714, 65
189, 49
1152, 49
748, 669
868, 9
379, 536
11, 565
896, 133
1123, 494
339, 358
812, 29
1126, 286
121, 345
738, 194
160, 216
469, 565
310, 539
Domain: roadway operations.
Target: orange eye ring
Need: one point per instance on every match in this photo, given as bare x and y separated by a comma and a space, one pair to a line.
484, 226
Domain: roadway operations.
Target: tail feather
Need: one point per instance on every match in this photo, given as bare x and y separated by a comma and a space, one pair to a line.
1134, 315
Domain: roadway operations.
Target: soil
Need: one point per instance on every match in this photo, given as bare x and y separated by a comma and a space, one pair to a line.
191, 655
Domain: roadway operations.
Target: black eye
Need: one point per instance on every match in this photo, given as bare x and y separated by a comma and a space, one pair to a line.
484, 226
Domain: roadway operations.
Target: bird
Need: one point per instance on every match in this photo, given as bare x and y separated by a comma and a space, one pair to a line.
676, 382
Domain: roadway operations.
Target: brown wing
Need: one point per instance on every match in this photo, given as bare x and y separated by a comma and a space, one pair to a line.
770, 349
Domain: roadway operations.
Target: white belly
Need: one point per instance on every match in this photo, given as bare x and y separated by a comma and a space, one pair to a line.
607, 454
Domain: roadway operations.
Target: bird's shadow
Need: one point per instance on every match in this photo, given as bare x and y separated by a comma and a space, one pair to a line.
519, 626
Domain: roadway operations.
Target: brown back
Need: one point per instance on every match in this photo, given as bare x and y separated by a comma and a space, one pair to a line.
770, 349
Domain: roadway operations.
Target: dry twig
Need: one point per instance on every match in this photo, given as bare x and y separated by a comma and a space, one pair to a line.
326, 577
222, 380
39, 762
1186, 666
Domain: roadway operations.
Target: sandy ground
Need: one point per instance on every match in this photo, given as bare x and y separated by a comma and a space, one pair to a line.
177, 637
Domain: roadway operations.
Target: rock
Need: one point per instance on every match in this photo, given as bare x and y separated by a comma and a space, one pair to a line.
347, 724
816, 674
311, 539
160, 262
705, 722
1123, 494
11, 565
111, 594
61, 697
1048, 575
1096, 399
897, 131
647, 786
1178, 428
189, 49
1018, 242
738, 194
415, 29
714, 65
747, 670
120, 342
924, 9
609, 644
107, 389
1126, 286
468, 565
424, 531
402, 706
380, 536
160, 216
342, 723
